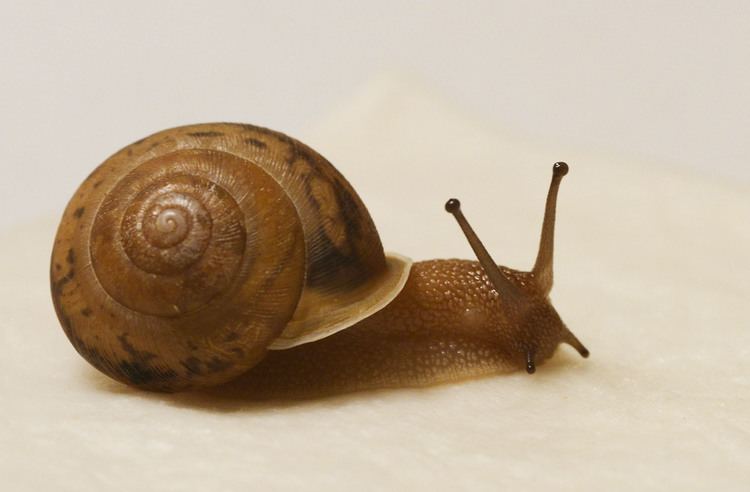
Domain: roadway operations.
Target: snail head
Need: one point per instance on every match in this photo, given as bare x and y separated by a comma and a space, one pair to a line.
535, 325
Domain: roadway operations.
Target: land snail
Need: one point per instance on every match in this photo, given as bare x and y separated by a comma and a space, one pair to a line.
187, 257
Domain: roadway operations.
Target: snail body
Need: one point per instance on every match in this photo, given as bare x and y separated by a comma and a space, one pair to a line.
445, 325
188, 255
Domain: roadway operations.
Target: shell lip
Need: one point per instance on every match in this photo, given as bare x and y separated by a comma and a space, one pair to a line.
349, 311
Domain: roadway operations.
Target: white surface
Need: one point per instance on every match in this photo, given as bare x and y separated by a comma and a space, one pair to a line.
666, 80
651, 274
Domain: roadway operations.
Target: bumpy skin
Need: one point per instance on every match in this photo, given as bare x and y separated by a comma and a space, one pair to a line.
447, 324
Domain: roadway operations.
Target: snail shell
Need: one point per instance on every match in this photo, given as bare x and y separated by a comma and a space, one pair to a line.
186, 255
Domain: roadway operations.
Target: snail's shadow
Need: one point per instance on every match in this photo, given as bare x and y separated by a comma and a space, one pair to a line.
243, 393
231, 398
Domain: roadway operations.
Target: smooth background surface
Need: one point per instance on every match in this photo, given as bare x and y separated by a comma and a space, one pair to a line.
664, 80
651, 254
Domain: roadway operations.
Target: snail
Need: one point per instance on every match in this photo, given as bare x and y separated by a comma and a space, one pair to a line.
188, 256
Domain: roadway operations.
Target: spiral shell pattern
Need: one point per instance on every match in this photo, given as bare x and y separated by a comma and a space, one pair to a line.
186, 255
182, 235
190, 263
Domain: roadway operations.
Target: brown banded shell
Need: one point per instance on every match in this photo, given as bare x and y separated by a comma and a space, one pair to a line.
185, 255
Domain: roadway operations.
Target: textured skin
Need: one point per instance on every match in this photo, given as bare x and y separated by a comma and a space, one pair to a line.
447, 324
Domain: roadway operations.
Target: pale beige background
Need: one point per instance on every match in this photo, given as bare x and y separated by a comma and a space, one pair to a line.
651, 274
647, 101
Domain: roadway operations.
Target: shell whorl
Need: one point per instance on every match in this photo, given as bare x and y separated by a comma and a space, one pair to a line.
186, 255
167, 228
182, 271
174, 227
